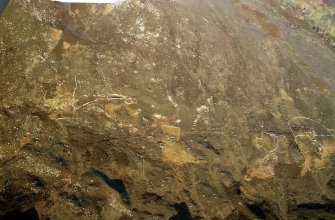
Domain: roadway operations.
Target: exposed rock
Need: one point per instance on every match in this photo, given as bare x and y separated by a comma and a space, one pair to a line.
164, 109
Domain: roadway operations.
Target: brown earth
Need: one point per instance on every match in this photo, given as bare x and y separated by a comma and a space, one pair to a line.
165, 109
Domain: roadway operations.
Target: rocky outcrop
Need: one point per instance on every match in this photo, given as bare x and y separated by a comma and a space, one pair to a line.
165, 109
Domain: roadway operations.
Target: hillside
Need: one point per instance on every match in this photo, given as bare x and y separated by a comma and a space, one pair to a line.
168, 109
